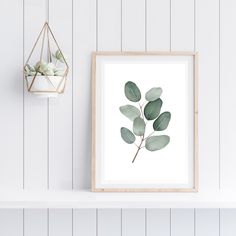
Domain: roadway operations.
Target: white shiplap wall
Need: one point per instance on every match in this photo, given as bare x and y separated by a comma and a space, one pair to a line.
46, 143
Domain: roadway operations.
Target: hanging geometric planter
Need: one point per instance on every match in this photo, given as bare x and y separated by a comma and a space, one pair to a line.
46, 69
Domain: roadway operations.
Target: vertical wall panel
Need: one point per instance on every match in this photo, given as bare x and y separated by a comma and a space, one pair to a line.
158, 222
84, 222
109, 25
227, 222
35, 109
182, 222
35, 222
60, 222
207, 222
227, 93
108, 16
60, 110
109, 222
133, 222
11, 99
158, 25
133, 25
84, 42
182, 25
11, 222
207, 43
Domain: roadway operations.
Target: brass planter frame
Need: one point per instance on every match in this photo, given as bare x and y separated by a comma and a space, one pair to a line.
44, 33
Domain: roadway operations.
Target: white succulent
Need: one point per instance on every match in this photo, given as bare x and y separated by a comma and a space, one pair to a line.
59, 72
29, 70
51, 66
43, 68
32, 73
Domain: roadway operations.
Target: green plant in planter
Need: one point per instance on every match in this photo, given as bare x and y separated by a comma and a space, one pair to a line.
48, 69
58, 56
140, 118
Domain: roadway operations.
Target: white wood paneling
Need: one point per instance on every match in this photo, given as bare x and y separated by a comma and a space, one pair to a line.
85, 222
182, 25
35, 222
11, 222
35, 110
109, 222
182, 222
158, 25
207, 222
60, 109
227, 94
133, 222
158, 222
207, 44
84, 42
133, 25
60, 222
11, 94
109, 25
227, 222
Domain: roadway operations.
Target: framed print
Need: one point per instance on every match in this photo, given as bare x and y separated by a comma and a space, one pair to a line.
144, 122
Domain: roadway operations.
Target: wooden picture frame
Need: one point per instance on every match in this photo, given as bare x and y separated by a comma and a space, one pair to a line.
188, 59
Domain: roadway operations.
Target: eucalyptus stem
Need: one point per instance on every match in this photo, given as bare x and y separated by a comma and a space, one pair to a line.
150, 135
142, 137
141, 109
139, 147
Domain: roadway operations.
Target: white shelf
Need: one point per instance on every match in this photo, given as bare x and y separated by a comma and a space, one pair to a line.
87, 199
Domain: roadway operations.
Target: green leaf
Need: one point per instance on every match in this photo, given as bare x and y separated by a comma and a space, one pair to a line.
155, 143
162, 122
153, 94
132, 92
152, 109
58, 55
139, 126
27, 70
127, 135
130, 111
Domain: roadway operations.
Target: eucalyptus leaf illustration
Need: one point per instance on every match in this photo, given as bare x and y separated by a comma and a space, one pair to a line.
153, 94
140, 117
152, 109
162, 122
130, 111
155, 143
132, 92
127, 135
139, 126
